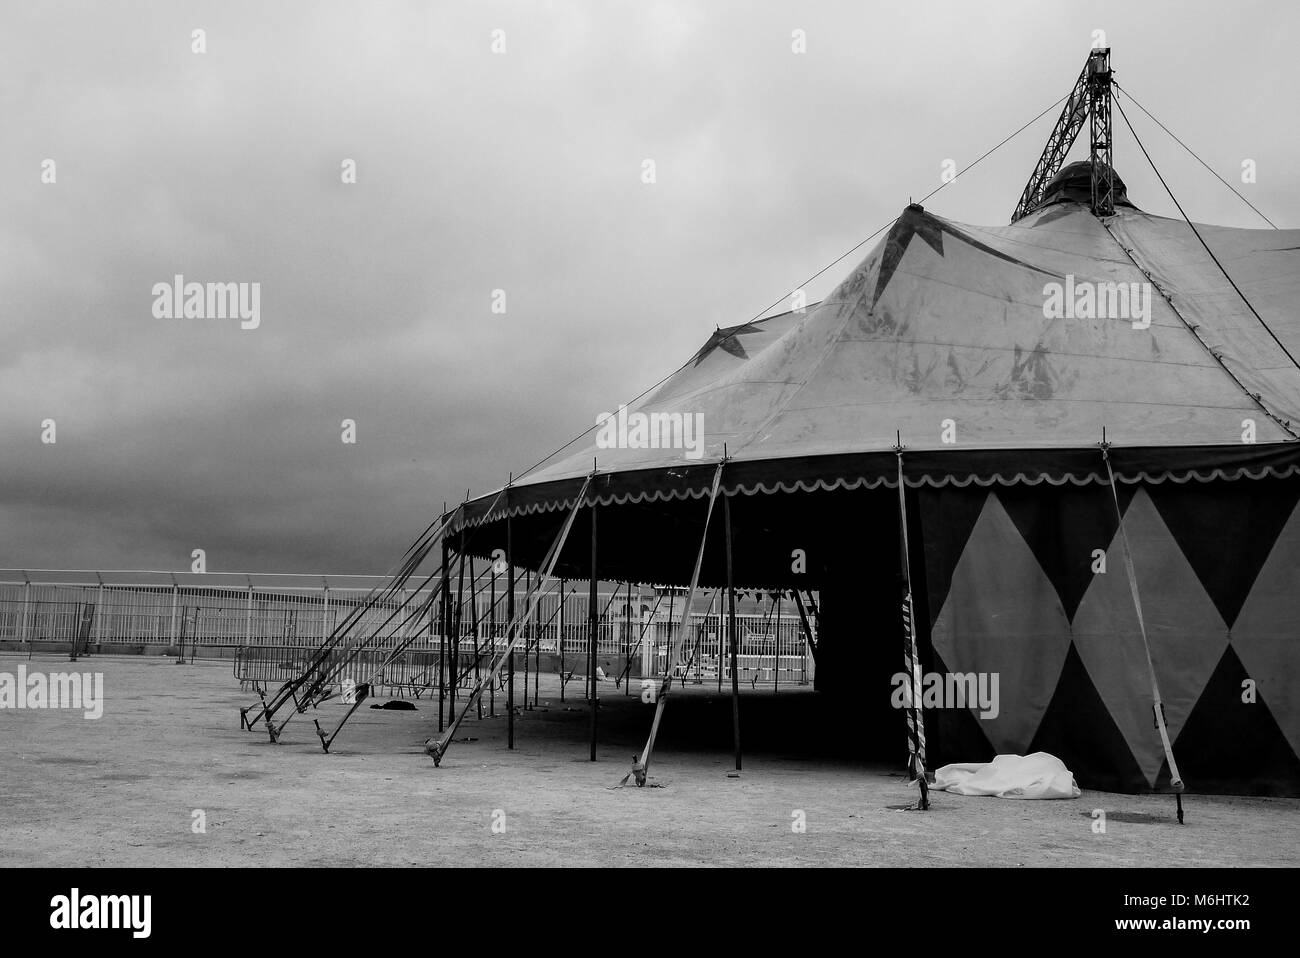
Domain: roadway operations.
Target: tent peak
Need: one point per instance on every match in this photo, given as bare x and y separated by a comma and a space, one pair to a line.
1073, 183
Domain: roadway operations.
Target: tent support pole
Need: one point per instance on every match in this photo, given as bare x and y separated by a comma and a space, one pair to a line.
1158, 705
492, 632
510, 618
437, 749
434, 613
593, 627
731, 632
444, 619
776, 666
560, 637
915, 715
474, 624
528, 589
377, 674
641, 764
528, 628
721, 649
454, 676
803, 621
314, 682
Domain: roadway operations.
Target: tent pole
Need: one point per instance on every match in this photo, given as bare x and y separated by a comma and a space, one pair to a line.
528, 590
1158, 706
627, 630
807, 630
668, 638
510, 618
731, 630
454, 672
444, 617
492, 631
437, 749
560, 640
586, 655
699, 647
434, 614
776, 669
915, 716
641, 764
721, 653
315, 679
473, 618
377, 674
593, 627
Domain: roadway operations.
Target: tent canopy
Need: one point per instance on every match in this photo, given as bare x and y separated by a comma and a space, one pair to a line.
948, 336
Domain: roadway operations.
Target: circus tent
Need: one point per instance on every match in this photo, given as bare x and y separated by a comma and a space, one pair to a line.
1053, 393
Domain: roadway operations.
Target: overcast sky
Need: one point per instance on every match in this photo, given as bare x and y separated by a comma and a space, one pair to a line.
479, 171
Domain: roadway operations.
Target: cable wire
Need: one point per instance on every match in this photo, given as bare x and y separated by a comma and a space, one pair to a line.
1194, 156
849, 252
1197, 233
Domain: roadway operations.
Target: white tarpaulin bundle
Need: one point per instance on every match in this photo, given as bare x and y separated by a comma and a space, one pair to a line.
1010, 776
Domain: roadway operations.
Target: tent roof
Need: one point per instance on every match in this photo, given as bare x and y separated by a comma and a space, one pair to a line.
946, 321
1074, 184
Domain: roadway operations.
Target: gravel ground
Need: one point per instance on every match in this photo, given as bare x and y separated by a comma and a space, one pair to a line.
124, 790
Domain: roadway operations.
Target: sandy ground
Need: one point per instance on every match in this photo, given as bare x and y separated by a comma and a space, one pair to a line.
123, 791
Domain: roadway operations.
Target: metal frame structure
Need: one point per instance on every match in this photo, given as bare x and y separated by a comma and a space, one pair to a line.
1103, 171
1090, 99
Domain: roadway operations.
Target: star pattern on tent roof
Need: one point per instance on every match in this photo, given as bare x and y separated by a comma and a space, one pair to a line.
728, 340
915, 221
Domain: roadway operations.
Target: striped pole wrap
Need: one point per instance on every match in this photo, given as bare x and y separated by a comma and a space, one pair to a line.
911, 662
912, 665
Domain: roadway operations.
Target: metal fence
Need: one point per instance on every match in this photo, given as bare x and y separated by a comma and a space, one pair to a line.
770, 650
271, 628
129, 616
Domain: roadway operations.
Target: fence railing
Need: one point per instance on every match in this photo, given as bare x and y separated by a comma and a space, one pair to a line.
126, 616
271, 631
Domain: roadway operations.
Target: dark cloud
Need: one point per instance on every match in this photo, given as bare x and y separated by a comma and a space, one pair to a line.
478, 172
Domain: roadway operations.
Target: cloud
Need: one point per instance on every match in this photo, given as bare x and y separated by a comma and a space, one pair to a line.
479, 172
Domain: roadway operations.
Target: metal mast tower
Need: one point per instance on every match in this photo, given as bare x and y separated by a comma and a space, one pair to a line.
1091, 99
